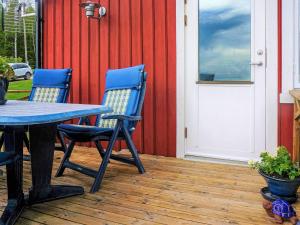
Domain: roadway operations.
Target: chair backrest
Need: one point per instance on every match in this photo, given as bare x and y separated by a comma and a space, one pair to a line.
50, 85
124, 93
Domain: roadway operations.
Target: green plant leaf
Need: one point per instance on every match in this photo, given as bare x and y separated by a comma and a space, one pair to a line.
280, 165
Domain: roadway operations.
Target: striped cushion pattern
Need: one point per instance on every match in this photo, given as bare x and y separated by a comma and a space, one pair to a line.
49, 95
117, 100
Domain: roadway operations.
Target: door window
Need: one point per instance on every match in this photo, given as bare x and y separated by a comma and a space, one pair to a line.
224, 40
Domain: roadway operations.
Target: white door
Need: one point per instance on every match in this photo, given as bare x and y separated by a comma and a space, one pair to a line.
225, 79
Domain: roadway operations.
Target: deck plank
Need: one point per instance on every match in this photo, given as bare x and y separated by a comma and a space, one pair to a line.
172, 191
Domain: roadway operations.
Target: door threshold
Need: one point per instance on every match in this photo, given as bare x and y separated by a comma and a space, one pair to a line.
216, 160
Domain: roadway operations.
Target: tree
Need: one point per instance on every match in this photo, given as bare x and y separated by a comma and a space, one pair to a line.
12, 38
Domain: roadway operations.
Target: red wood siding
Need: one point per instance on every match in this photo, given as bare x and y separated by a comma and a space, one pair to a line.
133, 32
286, 126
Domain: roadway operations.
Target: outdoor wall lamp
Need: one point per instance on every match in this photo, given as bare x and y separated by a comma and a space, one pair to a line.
90, 10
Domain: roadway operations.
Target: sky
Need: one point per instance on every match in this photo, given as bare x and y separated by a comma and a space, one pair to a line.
240, 5
31, 2
225, 38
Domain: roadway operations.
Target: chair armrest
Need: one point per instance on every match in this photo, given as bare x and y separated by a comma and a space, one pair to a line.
84, 120
121, 117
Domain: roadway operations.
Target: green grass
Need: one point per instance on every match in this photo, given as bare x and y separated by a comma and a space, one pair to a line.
18, 85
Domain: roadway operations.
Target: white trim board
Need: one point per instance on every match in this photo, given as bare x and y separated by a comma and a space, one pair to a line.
288, 46
216, 160
271, 76
180, 58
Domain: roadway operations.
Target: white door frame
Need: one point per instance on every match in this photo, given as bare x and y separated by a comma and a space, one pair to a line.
271, 75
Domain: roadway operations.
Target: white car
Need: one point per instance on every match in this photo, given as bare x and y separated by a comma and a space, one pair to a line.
21, 70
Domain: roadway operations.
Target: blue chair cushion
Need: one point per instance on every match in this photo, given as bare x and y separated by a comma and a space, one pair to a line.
119, 102
6, 157
50, 95
51, 78
130, 77
83, 132
50, 85
123, 87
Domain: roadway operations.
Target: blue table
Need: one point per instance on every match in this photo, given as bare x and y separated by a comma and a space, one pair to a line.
41, 120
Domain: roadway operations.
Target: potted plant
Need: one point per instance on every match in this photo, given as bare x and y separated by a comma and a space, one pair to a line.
280, 172
6, 73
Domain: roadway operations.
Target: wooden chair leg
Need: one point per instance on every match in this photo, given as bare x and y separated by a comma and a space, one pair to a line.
66, 157
108, 152
133, 151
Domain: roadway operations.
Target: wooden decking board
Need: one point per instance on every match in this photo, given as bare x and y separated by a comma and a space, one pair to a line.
214, 223
45, 217
164, 181
199, 190
183, 187
153, 210
192, 171
74, 216
164, 166
196, 179
202, 189
171, 192
177, 210
114, 212
201, 214
24, 221
220, 205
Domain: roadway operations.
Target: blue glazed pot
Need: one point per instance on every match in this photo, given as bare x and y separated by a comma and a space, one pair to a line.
282, 187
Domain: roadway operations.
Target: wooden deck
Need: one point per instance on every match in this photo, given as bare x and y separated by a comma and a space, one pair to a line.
171, 192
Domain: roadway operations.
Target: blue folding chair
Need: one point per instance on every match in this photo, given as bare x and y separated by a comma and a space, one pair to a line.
124, 94
49, 85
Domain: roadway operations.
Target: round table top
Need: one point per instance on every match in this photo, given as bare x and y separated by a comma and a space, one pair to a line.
15, 113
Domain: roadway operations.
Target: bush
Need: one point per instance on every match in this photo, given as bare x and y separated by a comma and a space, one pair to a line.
5, 69
278, 166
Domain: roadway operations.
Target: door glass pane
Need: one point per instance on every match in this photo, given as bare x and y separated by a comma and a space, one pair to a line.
224, 40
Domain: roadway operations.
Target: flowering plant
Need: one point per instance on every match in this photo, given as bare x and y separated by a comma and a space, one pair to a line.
278, 166
5, 70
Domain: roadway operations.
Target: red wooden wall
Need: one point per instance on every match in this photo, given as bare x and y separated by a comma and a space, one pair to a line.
286, 126
133, 32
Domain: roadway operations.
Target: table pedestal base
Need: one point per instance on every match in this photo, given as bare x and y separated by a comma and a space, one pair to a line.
56, 192
13, 139
42, 143
12, 211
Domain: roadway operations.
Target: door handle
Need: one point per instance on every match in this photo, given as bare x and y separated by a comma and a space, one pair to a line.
256, 63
